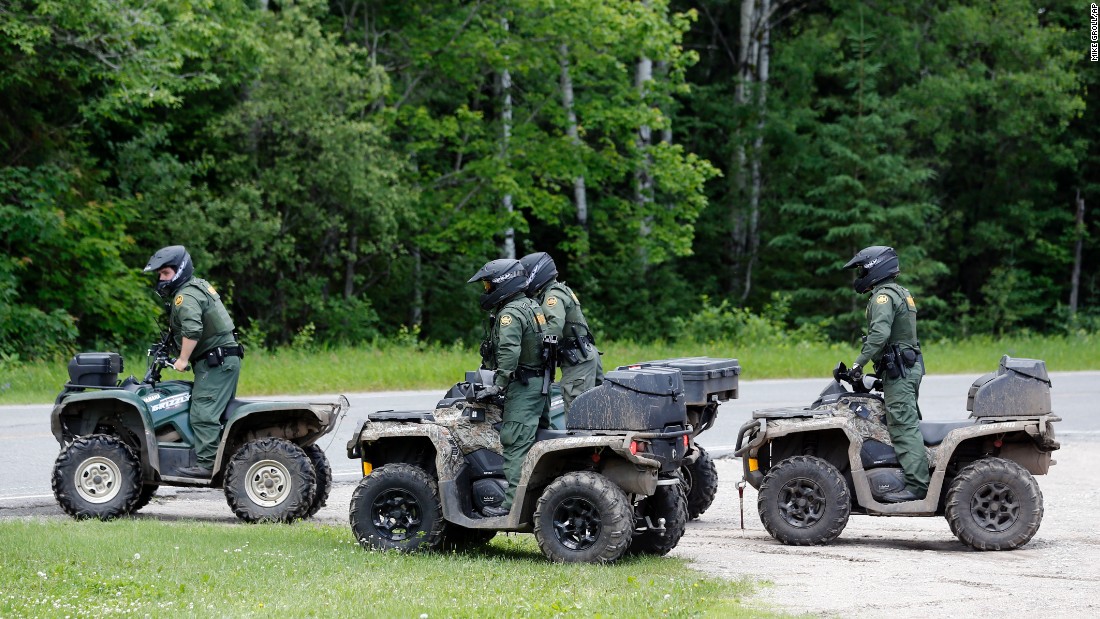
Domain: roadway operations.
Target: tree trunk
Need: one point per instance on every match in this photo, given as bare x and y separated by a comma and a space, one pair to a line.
509, 249
761, 46
349, 267
580, 195
1075, 280
417, 309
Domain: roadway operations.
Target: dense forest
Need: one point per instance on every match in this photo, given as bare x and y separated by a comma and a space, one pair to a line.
698, 169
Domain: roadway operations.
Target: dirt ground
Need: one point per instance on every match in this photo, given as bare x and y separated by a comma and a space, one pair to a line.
878, 567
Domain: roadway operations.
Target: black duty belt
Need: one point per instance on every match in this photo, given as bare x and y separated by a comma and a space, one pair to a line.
525, 374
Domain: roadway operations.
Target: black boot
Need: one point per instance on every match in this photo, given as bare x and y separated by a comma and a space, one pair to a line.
901, 496
198, 472
491, 511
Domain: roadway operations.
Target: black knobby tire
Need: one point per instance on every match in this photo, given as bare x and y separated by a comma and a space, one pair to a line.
323, 473
994, 504
269, 480
583, 517
97, 476
670, 503
397, 507
804, 501
146, 495
458, 538
701, 478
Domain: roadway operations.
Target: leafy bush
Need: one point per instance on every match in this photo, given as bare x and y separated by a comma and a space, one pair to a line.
725, 323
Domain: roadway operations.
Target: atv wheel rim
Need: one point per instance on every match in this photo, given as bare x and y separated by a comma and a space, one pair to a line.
97, 480
577, 523
268, 483
396, 514
801, 503
995, 507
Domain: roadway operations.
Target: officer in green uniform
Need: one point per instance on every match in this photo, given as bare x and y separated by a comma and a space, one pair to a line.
581, 368
513, 349
892, 344
203, 333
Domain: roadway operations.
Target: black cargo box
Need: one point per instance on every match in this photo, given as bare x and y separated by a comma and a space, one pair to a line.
706, 379
1019, 388
639, 399
95, 369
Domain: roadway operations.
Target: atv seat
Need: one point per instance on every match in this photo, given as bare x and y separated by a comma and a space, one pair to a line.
935, 431
232, 407
542, 434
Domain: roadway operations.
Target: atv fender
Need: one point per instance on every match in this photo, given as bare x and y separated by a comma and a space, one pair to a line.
127, 406
300, 422
448, 460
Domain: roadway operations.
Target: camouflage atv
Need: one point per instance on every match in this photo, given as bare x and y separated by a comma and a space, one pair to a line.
814, 466
121, 441
604, 486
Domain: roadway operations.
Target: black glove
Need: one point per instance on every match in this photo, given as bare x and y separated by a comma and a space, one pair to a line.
487, 393
856, 373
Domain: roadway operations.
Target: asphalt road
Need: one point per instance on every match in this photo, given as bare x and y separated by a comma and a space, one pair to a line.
28, 449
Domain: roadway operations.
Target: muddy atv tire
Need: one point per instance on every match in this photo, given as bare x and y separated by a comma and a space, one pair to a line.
97, 476
583, 517
670, 503
994, 504
397, 507
322, 471
701, 479
146, 495
804, 501
457, 538
269, 480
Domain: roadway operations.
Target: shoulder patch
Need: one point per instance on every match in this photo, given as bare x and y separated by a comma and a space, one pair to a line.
540, 318
880, 299
179, 300
211, 289
574, 295
911, 302
551, 301
505, 320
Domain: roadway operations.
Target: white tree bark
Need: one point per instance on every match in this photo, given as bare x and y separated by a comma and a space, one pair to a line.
761, 47
509, 249
580, 194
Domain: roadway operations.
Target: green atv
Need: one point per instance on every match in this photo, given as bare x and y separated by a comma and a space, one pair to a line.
121, 441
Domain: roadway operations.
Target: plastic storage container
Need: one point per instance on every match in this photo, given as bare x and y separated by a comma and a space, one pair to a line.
631, 399
95, 369
706, 379
1019, 388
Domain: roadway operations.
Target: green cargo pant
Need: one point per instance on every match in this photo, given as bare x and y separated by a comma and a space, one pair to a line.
576, 379
903, 423
214, 388
525, 411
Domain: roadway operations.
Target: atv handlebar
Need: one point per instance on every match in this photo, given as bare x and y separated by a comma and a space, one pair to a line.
868, 383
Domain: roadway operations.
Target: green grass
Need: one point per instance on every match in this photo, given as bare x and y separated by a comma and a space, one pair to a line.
60, 568
393, 368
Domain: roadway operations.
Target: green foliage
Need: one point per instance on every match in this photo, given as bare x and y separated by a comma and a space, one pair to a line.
339, 169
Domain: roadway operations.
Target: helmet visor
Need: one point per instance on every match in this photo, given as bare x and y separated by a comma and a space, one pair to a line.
488, 284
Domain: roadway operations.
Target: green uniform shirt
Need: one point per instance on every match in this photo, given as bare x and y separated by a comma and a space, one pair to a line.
516, 336
891, 319
197, 313
563, 312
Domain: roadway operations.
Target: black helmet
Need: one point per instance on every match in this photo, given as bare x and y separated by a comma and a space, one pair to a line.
873, 265
504, 279
541, 270
174, 256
